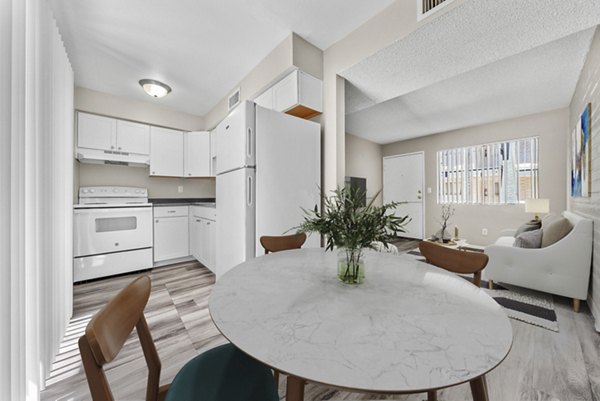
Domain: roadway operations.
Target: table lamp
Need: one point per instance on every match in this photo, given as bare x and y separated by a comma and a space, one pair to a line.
537, 206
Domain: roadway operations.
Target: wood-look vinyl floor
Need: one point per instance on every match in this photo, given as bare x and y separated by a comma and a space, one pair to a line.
542, 365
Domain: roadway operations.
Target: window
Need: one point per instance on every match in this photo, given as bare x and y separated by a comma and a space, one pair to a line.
491, 174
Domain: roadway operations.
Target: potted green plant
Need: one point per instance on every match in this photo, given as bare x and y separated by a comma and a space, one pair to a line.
347, 223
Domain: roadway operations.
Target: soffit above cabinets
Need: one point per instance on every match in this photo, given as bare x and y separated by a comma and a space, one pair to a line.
201, 49
482, 61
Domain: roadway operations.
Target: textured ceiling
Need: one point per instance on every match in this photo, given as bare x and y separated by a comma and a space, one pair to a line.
202, 49
443, 66
539, 80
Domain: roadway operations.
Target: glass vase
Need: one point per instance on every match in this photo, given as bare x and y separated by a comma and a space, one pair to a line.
351, 268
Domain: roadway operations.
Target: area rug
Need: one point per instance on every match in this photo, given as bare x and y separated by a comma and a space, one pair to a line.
521, 304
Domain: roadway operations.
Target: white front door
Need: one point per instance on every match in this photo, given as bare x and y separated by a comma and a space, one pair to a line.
403, 182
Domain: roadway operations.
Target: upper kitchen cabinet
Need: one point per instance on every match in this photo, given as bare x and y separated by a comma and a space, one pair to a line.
133, 137
298, 94
166, 152
96, 132
104, 139
197, 150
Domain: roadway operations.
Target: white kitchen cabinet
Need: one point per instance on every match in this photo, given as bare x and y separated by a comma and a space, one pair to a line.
171, 232
213, 152
266, 99
110, 134
166, 152
197, 158
96, 132
133, 137
298, 94
203, 231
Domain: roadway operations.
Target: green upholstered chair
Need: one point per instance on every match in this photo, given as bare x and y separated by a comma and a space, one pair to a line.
223, 373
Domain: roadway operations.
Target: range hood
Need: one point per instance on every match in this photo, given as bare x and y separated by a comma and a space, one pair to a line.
95, 156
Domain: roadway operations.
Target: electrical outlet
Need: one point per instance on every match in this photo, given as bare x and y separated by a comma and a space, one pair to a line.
484, 231
180, 189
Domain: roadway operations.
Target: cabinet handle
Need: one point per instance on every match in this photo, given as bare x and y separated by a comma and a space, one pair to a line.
154, 172
189, 173
116, 244
197, 220
112, 147
208, 223
119, 148
156, 221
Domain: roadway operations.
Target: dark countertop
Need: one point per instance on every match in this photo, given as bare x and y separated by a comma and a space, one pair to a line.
179, 201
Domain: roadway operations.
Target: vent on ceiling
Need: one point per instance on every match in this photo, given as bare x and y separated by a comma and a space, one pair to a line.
427, 7
233, 99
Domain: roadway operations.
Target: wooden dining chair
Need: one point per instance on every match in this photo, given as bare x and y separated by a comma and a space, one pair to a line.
278, 244
221, 374
455, 260
282, 243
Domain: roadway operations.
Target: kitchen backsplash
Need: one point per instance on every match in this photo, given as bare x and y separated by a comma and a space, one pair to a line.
158, 187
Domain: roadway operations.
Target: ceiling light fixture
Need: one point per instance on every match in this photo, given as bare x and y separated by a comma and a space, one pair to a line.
155, 88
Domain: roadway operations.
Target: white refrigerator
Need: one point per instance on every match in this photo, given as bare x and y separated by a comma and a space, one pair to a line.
268, 169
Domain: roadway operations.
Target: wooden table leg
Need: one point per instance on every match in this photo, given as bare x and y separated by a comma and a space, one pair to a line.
479, 389
432, 395
295, 389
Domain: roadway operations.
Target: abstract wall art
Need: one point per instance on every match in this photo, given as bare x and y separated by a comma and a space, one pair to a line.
581, 155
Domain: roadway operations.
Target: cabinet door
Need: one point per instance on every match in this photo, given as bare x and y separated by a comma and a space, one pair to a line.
171, 238
197, 154
285, 92
266, 99
166, 152
96, 132
194, 223
133, 137
212, 245
213, 152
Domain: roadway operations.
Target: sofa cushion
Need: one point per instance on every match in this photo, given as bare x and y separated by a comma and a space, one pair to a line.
529, 239
505, 241
554, 231
529, 226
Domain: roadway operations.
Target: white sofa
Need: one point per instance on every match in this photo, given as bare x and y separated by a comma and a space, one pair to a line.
562, 268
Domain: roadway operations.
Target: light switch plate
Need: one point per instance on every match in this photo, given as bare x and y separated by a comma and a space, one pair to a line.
180, 189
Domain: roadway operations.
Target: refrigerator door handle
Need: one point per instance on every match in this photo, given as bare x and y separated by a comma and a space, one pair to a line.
249, 142
249, 191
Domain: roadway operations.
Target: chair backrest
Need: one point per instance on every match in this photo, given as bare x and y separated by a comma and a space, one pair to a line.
455, 260
107, 332
282, 243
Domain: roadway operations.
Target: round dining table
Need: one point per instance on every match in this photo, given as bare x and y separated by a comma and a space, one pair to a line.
409, 328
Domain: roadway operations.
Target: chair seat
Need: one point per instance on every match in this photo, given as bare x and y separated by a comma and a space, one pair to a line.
223, 373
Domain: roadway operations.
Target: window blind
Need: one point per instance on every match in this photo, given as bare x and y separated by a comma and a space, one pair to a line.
490, 174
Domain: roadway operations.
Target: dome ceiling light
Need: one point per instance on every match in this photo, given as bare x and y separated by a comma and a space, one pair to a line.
155, 88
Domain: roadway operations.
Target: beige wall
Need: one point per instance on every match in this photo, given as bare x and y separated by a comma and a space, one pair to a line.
293, 52
145, 112
135, 110
277, 63
550, 127
364, 159
587, 92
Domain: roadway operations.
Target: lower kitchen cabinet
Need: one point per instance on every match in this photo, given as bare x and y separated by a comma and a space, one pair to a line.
171, 233
203, 235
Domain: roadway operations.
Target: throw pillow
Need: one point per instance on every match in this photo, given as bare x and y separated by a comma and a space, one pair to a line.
529, 239
529, 226
555, 231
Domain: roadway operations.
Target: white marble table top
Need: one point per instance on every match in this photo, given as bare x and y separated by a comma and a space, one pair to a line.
409, 327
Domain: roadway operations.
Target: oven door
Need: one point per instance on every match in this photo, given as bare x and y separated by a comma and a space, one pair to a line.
105, 230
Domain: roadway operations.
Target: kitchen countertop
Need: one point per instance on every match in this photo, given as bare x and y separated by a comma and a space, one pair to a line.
209, 202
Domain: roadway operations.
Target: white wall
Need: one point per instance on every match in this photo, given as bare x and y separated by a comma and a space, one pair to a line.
365, 159
35, 214
145, 112
470, 219
587, 92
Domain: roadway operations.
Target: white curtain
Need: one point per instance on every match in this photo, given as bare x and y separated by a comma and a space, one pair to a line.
36, 192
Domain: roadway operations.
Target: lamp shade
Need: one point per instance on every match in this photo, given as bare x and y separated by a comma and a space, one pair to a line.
537, 205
